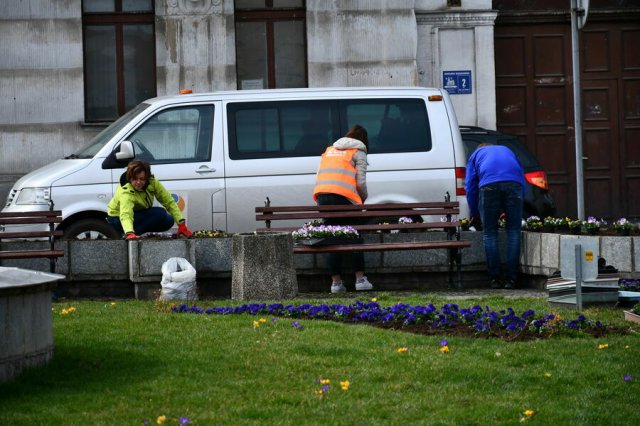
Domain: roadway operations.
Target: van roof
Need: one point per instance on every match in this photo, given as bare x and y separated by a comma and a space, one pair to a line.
328, 92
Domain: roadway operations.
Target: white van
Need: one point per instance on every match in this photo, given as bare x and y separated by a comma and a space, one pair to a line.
222, 154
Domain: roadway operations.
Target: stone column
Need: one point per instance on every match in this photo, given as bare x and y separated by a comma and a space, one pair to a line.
195, 46
263, 267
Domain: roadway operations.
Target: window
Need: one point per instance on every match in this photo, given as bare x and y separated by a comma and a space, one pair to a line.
270, 44
306, 128
281, 129
393, 125
119, 56
177, 135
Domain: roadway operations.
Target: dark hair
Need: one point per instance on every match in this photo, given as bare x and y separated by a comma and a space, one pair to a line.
137, 166
360, 133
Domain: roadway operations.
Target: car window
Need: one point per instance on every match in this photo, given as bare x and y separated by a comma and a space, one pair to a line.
281, 129
526, 158
393, 125
176, 135
276, 129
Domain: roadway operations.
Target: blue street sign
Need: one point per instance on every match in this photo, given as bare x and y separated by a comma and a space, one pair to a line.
457, 82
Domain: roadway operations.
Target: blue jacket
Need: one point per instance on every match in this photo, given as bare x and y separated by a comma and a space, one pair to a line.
490, 164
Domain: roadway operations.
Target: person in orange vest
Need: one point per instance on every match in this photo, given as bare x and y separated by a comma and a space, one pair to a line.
342, 179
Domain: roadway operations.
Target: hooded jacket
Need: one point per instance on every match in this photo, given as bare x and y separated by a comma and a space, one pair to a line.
128, 200
358, 161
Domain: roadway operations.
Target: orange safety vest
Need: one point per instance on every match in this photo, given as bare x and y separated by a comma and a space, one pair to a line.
337, 175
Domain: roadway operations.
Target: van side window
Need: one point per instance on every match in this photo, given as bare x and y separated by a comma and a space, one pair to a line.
393, 125
280, 129
177, 135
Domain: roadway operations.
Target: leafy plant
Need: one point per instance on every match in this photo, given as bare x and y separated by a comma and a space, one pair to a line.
533, 223
592, 223
622, 224
216, 233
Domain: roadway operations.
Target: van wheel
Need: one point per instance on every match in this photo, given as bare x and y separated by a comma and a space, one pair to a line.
90, 229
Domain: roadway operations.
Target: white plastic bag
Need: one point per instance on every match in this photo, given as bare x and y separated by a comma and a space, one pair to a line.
178, 280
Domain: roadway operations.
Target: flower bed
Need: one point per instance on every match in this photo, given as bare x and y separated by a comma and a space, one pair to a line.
449, 320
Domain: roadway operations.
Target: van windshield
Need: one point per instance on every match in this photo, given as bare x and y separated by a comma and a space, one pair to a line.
96, 144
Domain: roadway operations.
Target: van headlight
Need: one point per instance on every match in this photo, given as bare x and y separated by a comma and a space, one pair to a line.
33, 196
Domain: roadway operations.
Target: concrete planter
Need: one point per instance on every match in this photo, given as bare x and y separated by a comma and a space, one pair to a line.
26, 323
541, 252
263, 267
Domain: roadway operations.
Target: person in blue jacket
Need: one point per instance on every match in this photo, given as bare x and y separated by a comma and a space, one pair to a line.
495, 185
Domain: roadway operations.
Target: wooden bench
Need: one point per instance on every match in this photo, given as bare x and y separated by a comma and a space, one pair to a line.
378, 218
50, 217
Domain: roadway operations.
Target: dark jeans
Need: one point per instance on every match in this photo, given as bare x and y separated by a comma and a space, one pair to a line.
335, 259
494, 199
153, 219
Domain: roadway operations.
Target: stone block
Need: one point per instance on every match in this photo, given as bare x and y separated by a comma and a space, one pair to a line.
618, 252
550, 251
263, 267
147, 256
474, 254
415, 258
213, 254
103, 259
530, 249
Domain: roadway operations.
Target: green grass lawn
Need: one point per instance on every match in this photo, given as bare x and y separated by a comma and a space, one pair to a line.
128, 362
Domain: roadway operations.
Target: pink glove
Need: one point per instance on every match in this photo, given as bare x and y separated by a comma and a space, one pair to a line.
183, 230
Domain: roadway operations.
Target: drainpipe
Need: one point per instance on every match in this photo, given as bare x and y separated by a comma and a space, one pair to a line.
579, 11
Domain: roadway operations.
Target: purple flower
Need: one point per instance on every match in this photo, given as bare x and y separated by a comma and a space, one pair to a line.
296, 324
627, 378
443, 343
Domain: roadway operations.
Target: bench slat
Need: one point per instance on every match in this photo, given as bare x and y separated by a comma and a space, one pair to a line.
29, 220
355, 214
29, 254
47, 213
416, 245
358, 207
30, 234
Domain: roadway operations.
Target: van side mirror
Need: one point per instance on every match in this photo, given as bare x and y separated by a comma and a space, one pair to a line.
126, 151
119, 157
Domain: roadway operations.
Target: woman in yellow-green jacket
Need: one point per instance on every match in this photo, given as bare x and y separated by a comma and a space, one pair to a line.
130, 210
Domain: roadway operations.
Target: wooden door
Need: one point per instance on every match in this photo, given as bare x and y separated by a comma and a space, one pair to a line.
534, 97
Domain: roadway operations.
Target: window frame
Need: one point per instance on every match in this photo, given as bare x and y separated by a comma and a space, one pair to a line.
117, 19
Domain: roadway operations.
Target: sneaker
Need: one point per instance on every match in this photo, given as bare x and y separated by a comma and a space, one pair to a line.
495, 284
510, 285
338, 287
363, 284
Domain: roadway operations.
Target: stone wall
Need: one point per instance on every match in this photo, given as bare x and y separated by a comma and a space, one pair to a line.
124, 269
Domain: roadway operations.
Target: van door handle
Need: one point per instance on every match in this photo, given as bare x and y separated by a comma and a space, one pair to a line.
205, 169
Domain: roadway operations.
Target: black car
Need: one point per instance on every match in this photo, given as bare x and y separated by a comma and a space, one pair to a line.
537, 200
